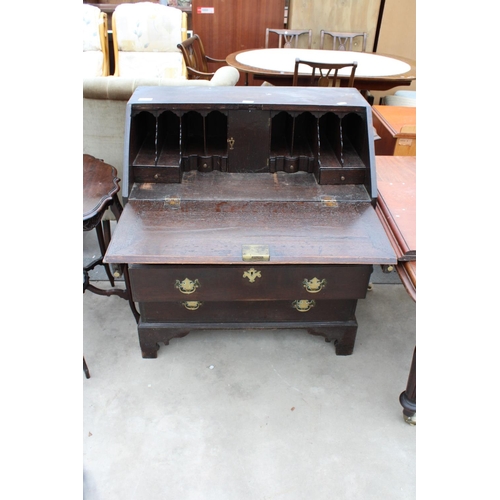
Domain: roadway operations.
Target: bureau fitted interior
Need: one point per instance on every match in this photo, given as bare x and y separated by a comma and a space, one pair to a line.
317, 143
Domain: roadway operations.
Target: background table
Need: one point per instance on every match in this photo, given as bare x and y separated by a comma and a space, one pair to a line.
397, 128
396, 208
100, 192
374, 71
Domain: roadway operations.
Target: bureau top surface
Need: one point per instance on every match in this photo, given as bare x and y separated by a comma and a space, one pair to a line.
248, 96
329, 227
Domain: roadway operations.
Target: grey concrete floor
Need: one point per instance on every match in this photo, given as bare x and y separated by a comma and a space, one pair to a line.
248, 415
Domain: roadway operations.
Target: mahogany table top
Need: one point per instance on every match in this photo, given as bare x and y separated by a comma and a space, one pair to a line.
396, 208
100, 183
396, 180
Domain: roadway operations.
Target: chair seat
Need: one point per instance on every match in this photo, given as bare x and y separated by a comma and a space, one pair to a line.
92, 64
151, 65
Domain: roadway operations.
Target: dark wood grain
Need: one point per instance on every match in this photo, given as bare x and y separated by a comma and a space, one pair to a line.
157, 283
290, 170
100, 184
246, 312
203, 232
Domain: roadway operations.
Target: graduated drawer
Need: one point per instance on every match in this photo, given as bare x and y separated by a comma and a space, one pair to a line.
248, 311
157, 283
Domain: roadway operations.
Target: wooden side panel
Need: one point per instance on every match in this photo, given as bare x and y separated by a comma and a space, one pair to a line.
235, 25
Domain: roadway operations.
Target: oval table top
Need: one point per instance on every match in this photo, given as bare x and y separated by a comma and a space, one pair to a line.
378, 71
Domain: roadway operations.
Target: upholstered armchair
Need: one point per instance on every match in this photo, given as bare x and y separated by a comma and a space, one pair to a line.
95, 42
145, 38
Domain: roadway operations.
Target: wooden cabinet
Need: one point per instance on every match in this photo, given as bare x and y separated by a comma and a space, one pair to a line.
227, 27
248, 207
397, 128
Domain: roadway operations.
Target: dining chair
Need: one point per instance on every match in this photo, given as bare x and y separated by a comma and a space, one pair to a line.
286, 37
145, 38
328, 73
95, 42
344, 40
196, 60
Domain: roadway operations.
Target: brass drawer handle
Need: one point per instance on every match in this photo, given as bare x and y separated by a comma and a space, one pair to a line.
252, 275
315, 285
303, 305
187, 286
192, 305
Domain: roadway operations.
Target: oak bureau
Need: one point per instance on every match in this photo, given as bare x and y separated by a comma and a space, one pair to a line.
248, 207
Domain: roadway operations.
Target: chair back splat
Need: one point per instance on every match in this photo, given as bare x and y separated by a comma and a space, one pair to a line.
196, 60
343, 40
289, 38
327, 74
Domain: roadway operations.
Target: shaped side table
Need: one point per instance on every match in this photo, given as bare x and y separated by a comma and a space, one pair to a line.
100, 192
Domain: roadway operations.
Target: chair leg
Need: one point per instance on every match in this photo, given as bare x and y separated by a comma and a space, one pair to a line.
103, 247
85, 368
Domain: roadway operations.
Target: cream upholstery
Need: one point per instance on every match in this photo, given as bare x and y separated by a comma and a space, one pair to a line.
95, 42
145, 37
104, 107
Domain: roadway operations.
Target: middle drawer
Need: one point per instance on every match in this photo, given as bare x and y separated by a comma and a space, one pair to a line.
158, 282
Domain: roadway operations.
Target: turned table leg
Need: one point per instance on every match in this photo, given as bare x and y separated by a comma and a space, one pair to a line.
86, 368
408, 398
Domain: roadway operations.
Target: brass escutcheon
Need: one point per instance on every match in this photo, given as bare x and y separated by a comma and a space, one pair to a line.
303, 305
315, 285
252, 275
192, 305
231, 143
187, 286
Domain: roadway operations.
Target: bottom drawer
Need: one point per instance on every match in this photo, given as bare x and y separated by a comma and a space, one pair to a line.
248, 311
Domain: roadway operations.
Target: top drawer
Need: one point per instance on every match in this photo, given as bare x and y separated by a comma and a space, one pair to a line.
154, 283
